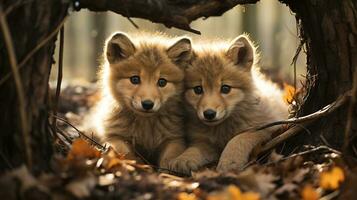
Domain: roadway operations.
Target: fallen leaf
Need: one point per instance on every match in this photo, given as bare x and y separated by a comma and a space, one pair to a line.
114, 154
300, 174
186, 196
258, 181
82, 150
250, 196
25, 177
289, 93
82, 187
309, 193
232, 192
275, 157
286, 188
106, 179
330, 180
113, 162
27, 180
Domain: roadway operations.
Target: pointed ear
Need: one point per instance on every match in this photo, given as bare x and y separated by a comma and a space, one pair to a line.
180, 51
119, 47
241, 52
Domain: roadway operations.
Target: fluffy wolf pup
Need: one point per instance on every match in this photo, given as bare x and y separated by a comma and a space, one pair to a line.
141, 108
225, 95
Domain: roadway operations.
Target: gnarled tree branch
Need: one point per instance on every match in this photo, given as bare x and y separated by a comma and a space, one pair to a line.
171, 13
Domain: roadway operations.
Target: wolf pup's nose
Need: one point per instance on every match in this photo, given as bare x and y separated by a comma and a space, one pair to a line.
209, 114
147, 104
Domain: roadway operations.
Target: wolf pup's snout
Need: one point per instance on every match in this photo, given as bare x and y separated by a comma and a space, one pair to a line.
147, 104
209, 114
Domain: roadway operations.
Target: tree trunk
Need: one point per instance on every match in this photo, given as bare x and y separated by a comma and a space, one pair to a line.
329, 29
29, 22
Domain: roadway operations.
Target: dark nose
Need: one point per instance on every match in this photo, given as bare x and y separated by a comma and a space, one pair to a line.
147, 104
209, 114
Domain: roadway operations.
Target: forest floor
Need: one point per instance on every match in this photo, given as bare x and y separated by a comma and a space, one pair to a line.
84, 169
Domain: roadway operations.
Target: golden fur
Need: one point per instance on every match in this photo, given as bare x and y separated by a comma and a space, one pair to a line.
250, 101
155, 134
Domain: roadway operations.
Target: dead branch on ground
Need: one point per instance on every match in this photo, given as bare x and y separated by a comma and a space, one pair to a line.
308, 118
301, 122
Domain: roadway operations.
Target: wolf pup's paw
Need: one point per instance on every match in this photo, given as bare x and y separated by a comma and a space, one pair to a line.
234, 156
229, 164
183, 165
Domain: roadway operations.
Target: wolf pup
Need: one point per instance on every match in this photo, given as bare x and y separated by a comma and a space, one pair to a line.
142, 84
225, 95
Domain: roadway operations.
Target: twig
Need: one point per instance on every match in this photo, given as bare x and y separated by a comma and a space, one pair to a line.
265, 148
59, 80
295, 58
34, 50
15, 5
324, 140
351, 110
282, 137
19, 87
133, 23
130, 20
304, 153
330, 196
7, 162
63, 134
80, 132
316, 115
303, 122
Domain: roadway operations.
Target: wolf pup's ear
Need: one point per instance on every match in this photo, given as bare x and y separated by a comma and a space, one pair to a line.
181, 51
119, 47
241, 52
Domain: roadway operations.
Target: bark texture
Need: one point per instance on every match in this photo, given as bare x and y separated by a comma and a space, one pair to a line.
29, 23
329, 28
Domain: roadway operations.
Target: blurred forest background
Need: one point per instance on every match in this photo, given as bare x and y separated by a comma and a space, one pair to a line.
269, 23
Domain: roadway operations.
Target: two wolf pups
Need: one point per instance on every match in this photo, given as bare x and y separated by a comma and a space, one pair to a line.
145, 81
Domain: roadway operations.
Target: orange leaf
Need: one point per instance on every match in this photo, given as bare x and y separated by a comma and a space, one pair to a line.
113, 162
232, 192
250, 196
186, 196
309, 193
289, 92
81, 149
331, 180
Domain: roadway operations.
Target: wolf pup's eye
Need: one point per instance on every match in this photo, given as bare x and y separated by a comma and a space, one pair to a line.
225, 89
198, 90
135, 80
162, 82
